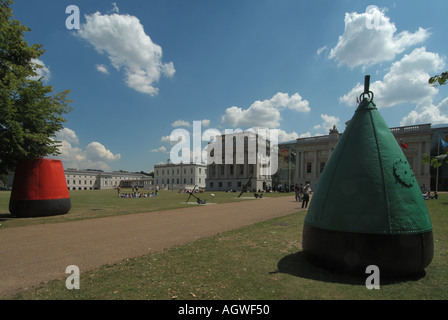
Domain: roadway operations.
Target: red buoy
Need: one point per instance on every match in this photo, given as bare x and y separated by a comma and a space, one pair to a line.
39, 189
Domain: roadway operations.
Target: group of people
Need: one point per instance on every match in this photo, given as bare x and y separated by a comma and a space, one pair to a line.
136, 194
302, 193
427, 194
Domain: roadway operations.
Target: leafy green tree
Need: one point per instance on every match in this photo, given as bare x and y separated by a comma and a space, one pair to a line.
436, 161
438, 79
30, 112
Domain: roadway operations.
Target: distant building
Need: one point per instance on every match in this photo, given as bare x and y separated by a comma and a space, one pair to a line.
245, 163
100, 180
180, 176
303, 160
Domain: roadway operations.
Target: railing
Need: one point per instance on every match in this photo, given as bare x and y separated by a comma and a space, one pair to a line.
318, 139
410, 129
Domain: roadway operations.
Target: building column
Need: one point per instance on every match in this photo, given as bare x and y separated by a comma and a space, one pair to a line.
419, 158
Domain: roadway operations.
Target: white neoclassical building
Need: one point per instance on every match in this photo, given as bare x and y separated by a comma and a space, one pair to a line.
180, 176
241, 159
303, 160
100, 180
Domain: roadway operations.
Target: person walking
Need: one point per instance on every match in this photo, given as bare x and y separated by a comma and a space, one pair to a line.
306, 195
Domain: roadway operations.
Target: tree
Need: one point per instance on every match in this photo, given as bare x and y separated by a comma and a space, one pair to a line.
30, 112
436, 161
438, 79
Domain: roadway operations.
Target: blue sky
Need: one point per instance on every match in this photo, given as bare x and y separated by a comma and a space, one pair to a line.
137, 70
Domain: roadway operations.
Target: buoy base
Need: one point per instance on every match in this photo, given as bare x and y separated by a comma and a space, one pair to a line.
39, 208
395, 255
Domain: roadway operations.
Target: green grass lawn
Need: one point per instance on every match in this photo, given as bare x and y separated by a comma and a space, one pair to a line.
103, 203
262, 261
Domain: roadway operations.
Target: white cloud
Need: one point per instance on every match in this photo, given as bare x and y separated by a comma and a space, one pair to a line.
406, 81
284, 136
321, 49
102, 68
364, 44
180, 123
305, 135
123, 39
42, 70
68, 135
428, 114
94, 156
205, 123
265, 113
165, 139
95, 151
161, 149
328, 123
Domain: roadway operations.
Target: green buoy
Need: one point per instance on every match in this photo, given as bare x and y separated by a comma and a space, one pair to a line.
368, 208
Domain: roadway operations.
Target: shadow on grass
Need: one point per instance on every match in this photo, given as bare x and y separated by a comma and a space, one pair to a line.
298, 265
6, 217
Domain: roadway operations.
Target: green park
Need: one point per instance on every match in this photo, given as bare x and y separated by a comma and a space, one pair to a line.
263, 261
371, 231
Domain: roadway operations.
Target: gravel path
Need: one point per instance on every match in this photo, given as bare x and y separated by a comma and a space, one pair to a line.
40, 253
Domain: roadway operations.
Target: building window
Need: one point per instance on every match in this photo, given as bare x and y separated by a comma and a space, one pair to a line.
200, 180
200, 170
231, 169
241, 169
308, 167
220, 184
211, 184
322, 166
239, 184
